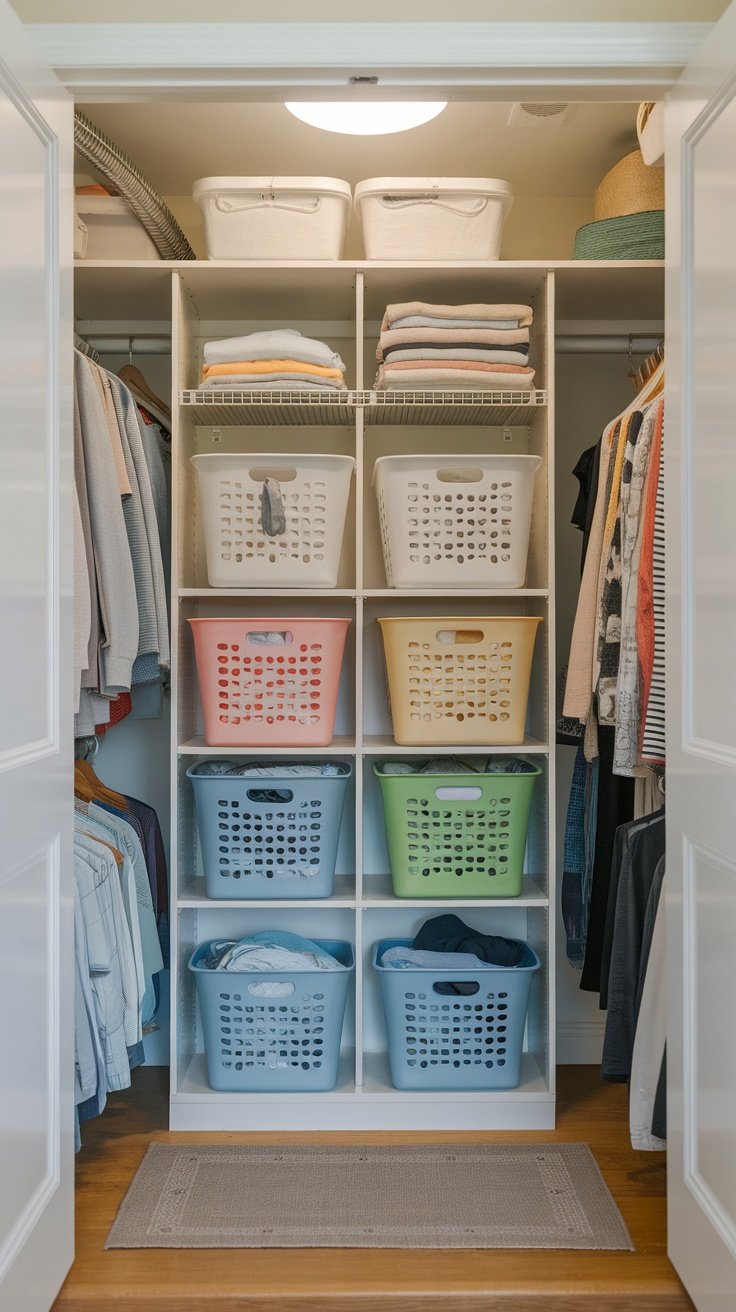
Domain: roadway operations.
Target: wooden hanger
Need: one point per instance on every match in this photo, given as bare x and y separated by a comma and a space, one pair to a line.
647, 368
89, 788
133, 378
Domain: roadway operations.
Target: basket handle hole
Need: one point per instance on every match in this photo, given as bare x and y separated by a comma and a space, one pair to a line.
275, 989
469, 794
269, 795
466, 475
468, 986
458, 636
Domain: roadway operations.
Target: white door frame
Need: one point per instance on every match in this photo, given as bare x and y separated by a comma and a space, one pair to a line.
463, 61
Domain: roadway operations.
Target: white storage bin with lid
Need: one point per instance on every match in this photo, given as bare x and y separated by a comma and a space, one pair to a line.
455, 521
113, 230
432, 218
302, 549
274, 218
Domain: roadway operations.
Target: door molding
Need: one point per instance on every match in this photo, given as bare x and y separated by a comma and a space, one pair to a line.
101, 61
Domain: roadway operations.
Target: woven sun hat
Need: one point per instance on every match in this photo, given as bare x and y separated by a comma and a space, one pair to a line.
629, 237
630, 187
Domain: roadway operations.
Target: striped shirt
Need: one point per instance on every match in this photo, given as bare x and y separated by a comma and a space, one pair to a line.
653, 743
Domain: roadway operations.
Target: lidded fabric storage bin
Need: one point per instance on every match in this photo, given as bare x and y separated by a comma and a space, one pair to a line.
464, 1040
273, 836
432, 218
274, 218
459, 679
457, 835
459, 521
114, 232
269, 682
265, 1041
273, 520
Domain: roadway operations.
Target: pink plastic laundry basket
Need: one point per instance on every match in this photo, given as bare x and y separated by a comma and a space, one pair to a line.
269, 682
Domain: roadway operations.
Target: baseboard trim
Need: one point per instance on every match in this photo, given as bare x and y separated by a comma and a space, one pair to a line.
580, 1043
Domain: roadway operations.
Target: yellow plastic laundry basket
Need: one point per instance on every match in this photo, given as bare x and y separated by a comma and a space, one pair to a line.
459, 678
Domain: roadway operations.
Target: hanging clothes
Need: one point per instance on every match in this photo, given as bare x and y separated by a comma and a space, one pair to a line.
122, 566
119, 955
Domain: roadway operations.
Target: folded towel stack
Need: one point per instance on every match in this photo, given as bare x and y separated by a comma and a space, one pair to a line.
278, 360
431, 348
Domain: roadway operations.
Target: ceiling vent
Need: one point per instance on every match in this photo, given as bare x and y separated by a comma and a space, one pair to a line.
551, 114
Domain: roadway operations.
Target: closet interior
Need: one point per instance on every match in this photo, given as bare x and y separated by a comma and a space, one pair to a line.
158, 315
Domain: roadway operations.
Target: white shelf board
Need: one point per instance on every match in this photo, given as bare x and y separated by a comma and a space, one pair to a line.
340, 746
290, 594
374, 1106
378, 892
383, 745
193, 897
387, 594
377, 1084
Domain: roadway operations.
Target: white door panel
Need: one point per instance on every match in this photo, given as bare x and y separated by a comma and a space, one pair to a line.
700, 480
37, 957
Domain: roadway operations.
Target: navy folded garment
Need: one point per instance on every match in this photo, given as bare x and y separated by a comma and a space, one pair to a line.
451, 934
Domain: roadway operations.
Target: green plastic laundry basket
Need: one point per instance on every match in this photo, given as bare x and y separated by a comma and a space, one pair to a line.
453, 835
629, 237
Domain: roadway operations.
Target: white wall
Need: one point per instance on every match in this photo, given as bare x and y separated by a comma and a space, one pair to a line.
591, 390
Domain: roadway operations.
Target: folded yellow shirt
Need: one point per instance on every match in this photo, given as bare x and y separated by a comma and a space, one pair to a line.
269, 367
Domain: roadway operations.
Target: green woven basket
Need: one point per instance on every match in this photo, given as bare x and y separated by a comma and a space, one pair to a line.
442, 845
631, 237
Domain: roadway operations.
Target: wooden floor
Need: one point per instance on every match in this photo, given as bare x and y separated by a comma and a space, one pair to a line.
370, 1280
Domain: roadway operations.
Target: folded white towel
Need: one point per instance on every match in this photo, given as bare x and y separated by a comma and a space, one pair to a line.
275, 344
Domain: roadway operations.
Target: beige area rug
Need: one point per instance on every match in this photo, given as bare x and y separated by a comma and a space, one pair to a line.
420, 1196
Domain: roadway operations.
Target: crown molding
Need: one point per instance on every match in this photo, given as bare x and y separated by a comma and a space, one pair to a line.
109, 59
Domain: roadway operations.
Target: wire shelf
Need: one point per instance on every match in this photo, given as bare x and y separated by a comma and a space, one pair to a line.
248, 408
453, 408
229, 408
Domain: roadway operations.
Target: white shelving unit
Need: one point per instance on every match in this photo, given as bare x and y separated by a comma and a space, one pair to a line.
343, 303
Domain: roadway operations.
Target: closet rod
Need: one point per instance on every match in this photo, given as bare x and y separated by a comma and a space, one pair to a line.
620, 344
565, 344
139, 345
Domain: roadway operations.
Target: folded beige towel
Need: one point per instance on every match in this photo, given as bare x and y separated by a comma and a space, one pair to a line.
522, 313
433, 379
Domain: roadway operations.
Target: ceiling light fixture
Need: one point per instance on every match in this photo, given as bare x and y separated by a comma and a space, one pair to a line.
362, 118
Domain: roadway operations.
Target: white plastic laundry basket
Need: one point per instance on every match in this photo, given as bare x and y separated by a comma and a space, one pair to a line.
432, 218
274, 218
459, 521
313, 491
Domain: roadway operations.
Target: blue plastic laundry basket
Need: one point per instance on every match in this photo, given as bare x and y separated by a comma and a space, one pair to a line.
268, 838
440, 1041
255, 1043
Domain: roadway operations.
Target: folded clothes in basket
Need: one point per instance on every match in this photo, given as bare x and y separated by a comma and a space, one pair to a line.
269, 950
449, 765
447, 943
311, 770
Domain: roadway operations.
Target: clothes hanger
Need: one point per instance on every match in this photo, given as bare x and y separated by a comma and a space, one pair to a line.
133, 378
647, 368
90, 788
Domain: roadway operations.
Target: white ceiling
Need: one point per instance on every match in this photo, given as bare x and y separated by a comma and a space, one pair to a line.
174, 144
